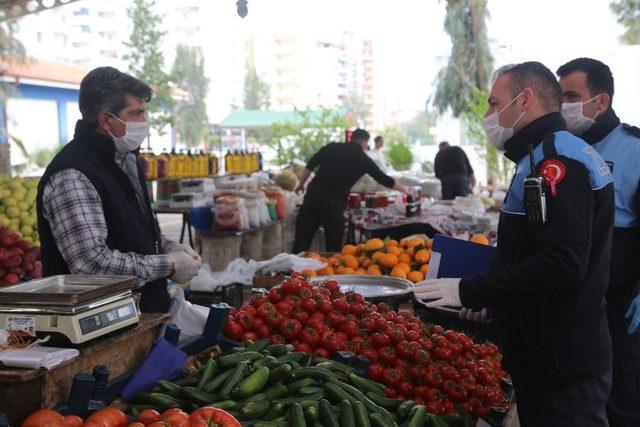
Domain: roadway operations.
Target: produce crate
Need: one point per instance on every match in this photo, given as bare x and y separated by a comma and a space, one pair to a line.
230, 294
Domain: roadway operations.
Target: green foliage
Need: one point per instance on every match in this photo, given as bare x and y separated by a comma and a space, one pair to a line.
470, 62
191, 115
302, 138
38, 159
146, 60
417, 129
257, 94
355, 103
400, 156
627, 13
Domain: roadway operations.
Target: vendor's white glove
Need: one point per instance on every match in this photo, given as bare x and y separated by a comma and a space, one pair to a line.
179, 247
474, 316
185, 266
443, 291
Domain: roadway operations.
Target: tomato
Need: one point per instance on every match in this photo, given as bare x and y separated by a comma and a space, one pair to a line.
350, 329
292, 286
290, 328
249, 336
397, 336
300, 315
403, 350
309, 305
102, 423
112, 416
257, 322
257, 299
244, 319
321, 352
413, 336
391, 377
136, 424
484, 376
389, 316
375, 371
294, 300
335, 319
326, 307
481, 412
305, 293
449, 373
276, 294
277, 339
367, 324
331, 343
303, 347
263, 331
205, 417
155, 424
441, 353
405, 388
381, 324
390, 392
341, 305
175, 418
232, 311
265, 309
233, 330
148, 416
316, 324
342, 336
310, 336
284, 307
370, 354
273, 318
433, 379
491, 349
383, 307
455, 392
357, 309
380, 340
332, 286
435, 407
73, 421
416, 372
451, 336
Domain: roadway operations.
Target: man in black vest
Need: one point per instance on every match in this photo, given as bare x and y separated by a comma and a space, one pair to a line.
94, 215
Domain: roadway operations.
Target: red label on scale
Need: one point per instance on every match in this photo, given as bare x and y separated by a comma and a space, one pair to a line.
553, 171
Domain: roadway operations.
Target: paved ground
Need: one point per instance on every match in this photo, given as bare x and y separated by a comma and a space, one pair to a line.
170, 225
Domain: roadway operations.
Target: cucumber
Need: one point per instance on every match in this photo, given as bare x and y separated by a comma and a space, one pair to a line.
142, 398
226, 405
312, 415
259, 345
280, 374
296, 416
268, 361
253, 383
238, 374
296, 386
275, 391
207, 373
373, 384
336, 367
378, 420
295, 356
347, 418
291, 400
386, 403
187, 381
419, 417
281, 422
365, 386
231, 360
255, 409
194, 395
313, 372
277, 350
306, 360
309, 390
329, 419
361, 415
336, 394
358, 395
164, 401
276, 410
217, 382
165, 386
295, 365
404, 409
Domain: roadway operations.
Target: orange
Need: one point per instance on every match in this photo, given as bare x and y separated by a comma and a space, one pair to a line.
389, 260
349, 250
394, 250
415, 276
479, 238
333, 261
325, 271
403, 243
411, 252
391, 243
415, 242
350, 261
423, 256
404, 258
374, 270
429, 244
360, 271
398, 272
348, 270
377, 255
310, 272
424, 268
365, 263
314, 255
373, 245
405, 267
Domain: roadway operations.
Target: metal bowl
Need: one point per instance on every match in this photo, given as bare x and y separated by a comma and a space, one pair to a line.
370, 286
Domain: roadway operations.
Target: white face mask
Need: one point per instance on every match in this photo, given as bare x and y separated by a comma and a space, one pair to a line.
577, 123
134, 134
497, 134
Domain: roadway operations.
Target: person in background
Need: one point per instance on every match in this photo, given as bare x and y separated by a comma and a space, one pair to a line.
587, 90
339, 166
548, 279
377, 155
94, 214
454, 171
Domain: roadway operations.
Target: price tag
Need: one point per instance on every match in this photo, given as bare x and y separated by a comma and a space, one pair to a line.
22, 324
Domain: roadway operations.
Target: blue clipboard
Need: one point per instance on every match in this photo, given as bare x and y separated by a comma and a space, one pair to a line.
459, 258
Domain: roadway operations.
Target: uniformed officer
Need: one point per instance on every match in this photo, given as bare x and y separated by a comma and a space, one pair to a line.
587, 89
549, 274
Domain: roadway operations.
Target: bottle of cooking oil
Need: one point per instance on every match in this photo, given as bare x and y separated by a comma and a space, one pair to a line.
228, 162
163, 165
153, 166
237, 162
213, 164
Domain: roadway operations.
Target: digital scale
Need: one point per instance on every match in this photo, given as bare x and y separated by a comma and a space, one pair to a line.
71, 309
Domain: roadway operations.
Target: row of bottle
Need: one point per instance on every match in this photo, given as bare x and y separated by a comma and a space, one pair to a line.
242, 162
183, 164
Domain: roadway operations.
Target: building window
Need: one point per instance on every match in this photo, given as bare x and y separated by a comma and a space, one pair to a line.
83, 11
107, 14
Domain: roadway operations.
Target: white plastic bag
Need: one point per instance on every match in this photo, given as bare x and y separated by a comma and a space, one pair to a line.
190, 317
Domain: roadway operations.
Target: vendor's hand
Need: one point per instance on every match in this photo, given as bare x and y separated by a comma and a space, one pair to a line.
633, 312
443, 291
474, 316
179, 247
185, 266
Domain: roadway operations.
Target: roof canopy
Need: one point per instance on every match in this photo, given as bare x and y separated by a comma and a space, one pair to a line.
11, 9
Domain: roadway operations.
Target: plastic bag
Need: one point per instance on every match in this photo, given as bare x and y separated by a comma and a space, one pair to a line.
190, 317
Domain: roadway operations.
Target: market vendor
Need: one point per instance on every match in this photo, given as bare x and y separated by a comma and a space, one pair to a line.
454, 171
339, 166
549, 277
587, 89
94, 214
376, 153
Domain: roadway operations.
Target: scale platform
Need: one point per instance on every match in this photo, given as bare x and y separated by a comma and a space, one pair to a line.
71, 309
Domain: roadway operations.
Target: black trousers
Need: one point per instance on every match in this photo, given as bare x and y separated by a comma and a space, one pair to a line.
320, 209
580, 404
623, 406
455, 185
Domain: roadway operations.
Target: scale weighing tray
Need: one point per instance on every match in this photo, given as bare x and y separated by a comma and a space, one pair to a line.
370, 286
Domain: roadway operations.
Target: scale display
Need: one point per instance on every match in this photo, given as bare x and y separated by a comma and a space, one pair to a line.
106, 318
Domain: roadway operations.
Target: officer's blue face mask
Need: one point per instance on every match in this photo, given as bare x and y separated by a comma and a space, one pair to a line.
577, 123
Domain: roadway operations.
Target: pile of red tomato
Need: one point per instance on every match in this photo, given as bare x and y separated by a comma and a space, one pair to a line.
444, 370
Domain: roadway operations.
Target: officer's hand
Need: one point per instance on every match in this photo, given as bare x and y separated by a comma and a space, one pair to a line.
179, 247
634, 313
474, 316
185, 266
442, 291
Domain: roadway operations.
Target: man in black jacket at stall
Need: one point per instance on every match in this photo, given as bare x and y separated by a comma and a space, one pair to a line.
454, 171
548, 279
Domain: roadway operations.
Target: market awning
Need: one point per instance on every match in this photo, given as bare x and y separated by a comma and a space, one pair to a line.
12, 9
259, 119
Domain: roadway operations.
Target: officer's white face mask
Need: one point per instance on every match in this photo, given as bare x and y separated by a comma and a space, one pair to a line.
497, 134
577, 123
135, 133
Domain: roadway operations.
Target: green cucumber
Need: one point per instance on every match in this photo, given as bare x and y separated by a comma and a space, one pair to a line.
277, 350
358, 395
336, 367
313, 372
207, 374
291, 400
231, 360
167, 386
280, 374
296, 416
217, 382
296, 386
294, 356
347, 418
306, 360
226, 405
336, 394
275, 411
404, 409
295, 365
186, 381
268, 361
259, 345
329, 419
164, 401
361, 415
312, 415
365, 386
238, 374
253, 383
194, 395
378, 420
386, 403
255, 409
309, 390
280, 422
275, 391
419, 417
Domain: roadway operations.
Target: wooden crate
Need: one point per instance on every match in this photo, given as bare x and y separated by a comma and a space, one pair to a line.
23, 391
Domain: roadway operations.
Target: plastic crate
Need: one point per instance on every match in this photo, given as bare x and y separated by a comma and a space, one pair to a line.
230, 294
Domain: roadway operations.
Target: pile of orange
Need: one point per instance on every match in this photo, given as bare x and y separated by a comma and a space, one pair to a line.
407, 259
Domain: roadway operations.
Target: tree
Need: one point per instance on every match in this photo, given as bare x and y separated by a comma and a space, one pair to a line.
146, 61
257, 94
418, 128
355, 103
627, 13
400, 156
470, 62
300, 138
192, 124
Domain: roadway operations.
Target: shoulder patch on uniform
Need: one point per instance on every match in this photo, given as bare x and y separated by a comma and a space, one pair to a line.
633, 130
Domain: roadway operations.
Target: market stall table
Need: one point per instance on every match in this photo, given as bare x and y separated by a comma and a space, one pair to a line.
23, 391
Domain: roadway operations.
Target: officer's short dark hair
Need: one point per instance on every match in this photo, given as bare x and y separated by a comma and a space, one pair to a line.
360, 135
104, 89
538, 78
599, 77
